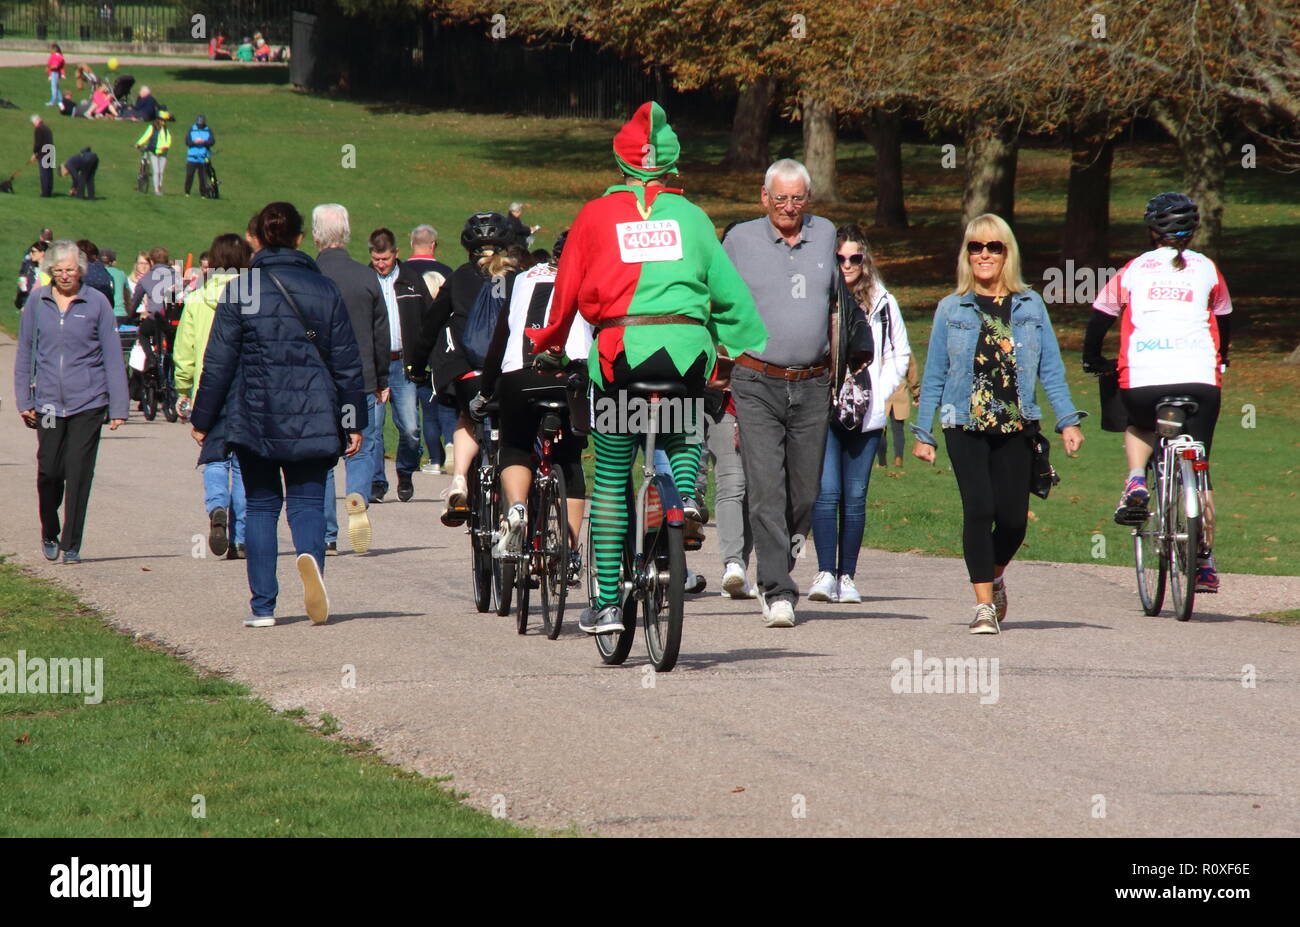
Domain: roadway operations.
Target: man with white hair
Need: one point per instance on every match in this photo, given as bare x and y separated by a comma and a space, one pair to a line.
782, 393
331, 231
523, 232
43, 152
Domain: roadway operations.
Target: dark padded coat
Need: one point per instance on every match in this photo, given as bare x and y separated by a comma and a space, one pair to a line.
265, 386
367, 310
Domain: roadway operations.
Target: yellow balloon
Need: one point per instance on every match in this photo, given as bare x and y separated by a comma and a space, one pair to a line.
112, 64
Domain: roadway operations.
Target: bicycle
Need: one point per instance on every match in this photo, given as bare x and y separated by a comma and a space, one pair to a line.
214, 185
484, 513
653, 566
144, 175
1167, 538
543, 557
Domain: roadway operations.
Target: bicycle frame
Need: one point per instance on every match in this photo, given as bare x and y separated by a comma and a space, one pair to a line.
669, 499
1188, 453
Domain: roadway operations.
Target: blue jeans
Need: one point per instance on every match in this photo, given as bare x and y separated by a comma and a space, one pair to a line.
359, 471
303, 487
55, 97
840, 512
406, 419
439, 425
223, 487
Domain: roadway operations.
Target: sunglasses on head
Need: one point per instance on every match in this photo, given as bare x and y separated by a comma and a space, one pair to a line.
854, 259
994, 247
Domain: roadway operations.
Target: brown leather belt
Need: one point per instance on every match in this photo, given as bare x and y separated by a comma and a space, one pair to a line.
395, 355
626, 321
781, 373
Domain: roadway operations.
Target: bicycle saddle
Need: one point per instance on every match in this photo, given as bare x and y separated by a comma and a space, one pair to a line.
643, 388
547, 397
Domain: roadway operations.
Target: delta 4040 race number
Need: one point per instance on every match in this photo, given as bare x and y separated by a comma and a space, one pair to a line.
652, 240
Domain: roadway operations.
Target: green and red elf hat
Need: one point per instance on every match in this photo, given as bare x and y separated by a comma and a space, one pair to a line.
647, 147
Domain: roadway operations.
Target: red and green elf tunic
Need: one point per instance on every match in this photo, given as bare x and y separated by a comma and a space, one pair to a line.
665, 259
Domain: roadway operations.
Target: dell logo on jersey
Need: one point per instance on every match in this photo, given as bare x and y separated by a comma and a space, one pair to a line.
1169, 344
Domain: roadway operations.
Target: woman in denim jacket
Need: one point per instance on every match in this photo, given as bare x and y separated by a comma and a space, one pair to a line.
991, 343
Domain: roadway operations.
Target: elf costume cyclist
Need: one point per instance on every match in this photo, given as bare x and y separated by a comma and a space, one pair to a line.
643, 264
1174, 309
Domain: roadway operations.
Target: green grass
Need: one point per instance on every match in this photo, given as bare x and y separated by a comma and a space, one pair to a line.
414, 165
164, 733
1290, 617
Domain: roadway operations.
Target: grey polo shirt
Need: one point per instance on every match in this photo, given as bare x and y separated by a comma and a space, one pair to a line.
793, 287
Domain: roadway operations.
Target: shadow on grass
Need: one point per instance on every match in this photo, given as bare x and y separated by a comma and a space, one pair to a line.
264, 75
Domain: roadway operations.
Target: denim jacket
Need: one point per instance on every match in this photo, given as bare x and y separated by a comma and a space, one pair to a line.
950, 363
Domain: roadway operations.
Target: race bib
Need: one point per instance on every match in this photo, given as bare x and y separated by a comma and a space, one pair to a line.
653, 240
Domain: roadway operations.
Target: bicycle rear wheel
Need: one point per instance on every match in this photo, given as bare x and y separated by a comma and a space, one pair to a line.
661, 611
481, 565
1152, 564
613, 648
142, 177
1185, 540
553, 558
169, 399
149, 401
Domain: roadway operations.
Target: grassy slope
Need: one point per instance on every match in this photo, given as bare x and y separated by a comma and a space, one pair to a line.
416, 166
132, 765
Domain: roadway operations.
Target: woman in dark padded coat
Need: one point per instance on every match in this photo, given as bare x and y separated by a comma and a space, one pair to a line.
282, 388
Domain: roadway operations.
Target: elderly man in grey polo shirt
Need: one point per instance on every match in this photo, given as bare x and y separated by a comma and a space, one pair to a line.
782, 393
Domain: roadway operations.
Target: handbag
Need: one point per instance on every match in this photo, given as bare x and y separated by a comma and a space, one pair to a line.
137, 359
852, 403
1042, 475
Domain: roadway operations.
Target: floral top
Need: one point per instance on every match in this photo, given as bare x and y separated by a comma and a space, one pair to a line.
994, 400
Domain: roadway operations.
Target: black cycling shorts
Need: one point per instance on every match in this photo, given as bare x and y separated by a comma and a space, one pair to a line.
518, 422
1140, 404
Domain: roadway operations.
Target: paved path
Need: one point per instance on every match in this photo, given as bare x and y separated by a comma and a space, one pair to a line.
1096, 703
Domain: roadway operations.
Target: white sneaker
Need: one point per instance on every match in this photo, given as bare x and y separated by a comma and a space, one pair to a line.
432, 469
780, 615
458, 493
824, 588
735, 584
314, 597
258, 621
848, 591
512, 529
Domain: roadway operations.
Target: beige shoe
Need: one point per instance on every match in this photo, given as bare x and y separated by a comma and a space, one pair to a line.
986, 620
1000, 600
358, 522
314, 597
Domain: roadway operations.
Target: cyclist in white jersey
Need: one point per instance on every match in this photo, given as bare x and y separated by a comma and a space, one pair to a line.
1174, 309
510, 370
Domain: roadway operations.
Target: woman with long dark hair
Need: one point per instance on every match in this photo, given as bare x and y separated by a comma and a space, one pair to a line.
991, 344
282, 389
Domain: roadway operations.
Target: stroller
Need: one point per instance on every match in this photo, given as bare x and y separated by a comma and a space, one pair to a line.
122, 89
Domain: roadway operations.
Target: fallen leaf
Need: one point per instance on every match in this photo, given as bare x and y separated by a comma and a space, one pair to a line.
1032, 516
146, 569
24, 738
741, 788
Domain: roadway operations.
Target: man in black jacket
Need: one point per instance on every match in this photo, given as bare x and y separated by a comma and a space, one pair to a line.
96, 276
369, 316
82, 167
43, 152
423, 303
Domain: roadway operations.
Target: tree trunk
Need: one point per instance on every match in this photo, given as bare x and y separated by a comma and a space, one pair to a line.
1085, 239
1204, 154
748, 150
885, 132
991, 171
819, 149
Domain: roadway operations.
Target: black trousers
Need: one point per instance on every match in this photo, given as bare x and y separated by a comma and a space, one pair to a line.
65, 467
202, 168
47, 181
84, 181
992, 473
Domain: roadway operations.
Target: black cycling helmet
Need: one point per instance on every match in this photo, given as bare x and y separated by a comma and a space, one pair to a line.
559, 247
486, 230
1172, 214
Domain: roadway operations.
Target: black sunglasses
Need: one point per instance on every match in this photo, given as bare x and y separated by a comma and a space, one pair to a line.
854, 259
975, 247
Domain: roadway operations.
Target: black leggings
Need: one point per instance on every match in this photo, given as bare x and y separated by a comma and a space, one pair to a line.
992, 473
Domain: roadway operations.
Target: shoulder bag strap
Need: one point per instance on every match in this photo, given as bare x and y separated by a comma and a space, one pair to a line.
307, 329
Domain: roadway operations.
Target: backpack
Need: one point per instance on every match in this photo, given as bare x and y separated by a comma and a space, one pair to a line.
482, 320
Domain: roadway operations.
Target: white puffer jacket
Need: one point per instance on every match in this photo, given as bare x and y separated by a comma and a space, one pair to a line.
889, 366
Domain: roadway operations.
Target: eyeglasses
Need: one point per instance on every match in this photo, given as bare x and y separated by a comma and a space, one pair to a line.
782, 199
994, 247
854, 259
64, 271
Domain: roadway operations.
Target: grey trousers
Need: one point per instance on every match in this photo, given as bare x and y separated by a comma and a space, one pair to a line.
782, 442
735, 539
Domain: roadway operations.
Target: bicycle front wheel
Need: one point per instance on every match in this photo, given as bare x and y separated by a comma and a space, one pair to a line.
1152, 563
480, 522
1185, 540
169, 399
553, 558
149, 402
661, 611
